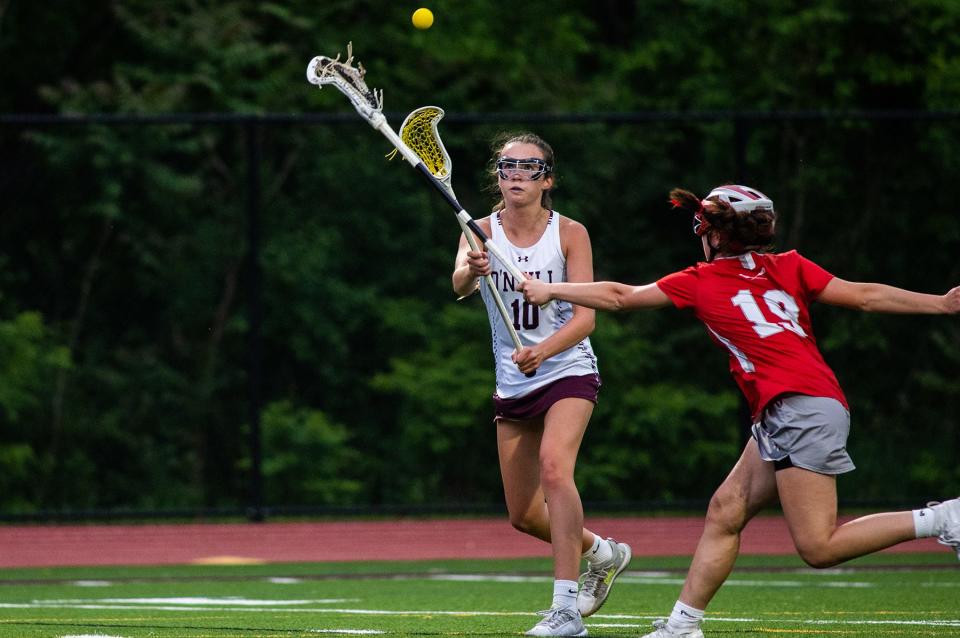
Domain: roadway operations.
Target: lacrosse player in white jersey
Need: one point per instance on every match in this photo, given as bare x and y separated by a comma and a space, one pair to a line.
541, 418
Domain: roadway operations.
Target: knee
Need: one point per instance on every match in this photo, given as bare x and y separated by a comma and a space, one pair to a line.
727, 511
521, 523
553, 475
525, 522
817, 555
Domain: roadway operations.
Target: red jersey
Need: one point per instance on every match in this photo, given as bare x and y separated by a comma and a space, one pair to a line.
756, 306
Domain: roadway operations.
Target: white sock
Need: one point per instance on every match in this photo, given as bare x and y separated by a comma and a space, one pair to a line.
565, 593
601, 551
684, 617
925, 522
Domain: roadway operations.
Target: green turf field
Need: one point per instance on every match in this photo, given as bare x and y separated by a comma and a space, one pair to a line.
887, 595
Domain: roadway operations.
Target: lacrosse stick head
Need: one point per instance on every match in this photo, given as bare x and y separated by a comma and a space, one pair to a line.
419, 132
349, 80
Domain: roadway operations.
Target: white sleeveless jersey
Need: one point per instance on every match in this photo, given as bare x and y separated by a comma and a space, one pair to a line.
545, 261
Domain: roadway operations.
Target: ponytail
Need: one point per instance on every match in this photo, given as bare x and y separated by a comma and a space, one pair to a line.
685, 200
739, 230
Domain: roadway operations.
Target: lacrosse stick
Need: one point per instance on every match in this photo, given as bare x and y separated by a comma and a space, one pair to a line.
419, 132
369, 104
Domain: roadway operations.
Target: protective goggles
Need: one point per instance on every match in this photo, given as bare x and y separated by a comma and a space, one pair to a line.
531, 169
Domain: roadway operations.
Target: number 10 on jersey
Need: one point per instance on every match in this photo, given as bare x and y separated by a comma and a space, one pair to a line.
526, 316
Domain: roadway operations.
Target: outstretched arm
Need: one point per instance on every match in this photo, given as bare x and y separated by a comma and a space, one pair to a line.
601, 295
579, 254
883, 298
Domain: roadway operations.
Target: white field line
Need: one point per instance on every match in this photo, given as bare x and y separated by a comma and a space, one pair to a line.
352, 632
234, 604
345, 631
40, 604
641, 578
663, 578
655, 579
202, 600
771, 621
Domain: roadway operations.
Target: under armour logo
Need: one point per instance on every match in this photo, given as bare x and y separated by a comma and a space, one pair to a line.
522, 258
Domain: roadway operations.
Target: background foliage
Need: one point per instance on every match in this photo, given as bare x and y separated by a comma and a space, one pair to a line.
123, 331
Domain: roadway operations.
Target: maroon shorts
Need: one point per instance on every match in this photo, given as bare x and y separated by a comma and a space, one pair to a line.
536, 404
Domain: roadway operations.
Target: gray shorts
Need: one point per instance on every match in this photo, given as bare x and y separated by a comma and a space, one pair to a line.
804, 431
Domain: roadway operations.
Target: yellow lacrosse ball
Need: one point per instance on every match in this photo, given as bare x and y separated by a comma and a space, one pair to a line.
422, 18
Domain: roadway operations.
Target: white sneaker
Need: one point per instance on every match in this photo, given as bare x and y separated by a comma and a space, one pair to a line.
661, 631
948, 523
559, 621
596, 582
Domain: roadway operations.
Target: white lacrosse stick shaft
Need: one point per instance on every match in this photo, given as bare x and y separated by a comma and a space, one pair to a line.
380, 123
369, 104
445, 179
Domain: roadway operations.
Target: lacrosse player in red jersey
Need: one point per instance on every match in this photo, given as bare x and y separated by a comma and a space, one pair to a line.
755, 305
541, 419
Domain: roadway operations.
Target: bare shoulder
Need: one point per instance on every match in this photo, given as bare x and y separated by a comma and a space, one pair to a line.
572, 231
576, 249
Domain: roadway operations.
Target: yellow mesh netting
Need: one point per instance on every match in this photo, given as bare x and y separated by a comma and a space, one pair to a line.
418, 134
